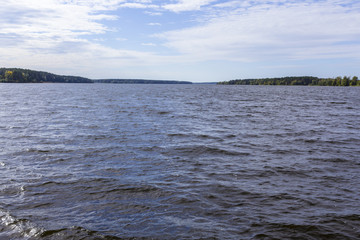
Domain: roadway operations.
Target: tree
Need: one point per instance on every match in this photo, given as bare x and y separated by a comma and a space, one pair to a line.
18, 76
345, 81
8, 76
354, 81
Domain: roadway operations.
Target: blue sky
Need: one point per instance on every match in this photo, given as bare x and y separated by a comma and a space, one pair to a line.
190, 40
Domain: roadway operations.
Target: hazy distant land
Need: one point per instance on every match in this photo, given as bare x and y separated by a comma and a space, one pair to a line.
139, 81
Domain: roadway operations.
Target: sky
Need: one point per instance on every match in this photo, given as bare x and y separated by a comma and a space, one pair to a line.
188, 40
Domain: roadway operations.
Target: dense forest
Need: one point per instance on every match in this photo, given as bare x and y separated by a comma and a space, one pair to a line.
304, 81
140, 81
17, 75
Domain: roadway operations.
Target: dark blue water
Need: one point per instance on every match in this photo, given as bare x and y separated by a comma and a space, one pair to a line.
99, 161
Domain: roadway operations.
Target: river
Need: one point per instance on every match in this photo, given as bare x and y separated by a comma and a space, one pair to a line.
107, 161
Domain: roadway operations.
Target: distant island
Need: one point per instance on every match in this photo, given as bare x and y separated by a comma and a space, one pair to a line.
18, 75
139, 81
301, 81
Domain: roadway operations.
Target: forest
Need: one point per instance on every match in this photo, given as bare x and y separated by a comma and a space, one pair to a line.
17, 75
304, 81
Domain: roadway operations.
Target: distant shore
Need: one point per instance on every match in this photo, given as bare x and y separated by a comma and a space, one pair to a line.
139, 81
18, 75
300, 81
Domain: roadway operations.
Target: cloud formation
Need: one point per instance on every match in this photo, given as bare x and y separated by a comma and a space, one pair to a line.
187, 5
51, 22
54, 33
291, 30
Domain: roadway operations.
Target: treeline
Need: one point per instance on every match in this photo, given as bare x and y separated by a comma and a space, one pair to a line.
304, 81
17, 75
140, 81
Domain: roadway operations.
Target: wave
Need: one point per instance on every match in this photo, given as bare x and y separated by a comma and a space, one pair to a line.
12, 227
75, 232
322, 227
206, 150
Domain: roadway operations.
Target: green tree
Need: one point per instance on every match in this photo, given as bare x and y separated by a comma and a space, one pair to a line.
354, 81
18, 76
345, 81
338, 81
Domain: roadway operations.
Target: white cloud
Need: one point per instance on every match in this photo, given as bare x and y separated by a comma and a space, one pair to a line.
149, 44
153, 13
187, 5
154, 24
294, 30
138, 5
51, 21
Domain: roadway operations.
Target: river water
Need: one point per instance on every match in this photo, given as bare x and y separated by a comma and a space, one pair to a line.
104, 161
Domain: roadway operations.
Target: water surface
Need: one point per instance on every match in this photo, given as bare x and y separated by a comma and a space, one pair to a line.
103, 161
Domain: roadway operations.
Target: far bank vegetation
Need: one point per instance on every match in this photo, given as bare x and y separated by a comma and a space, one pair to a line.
302, 81
17, 75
